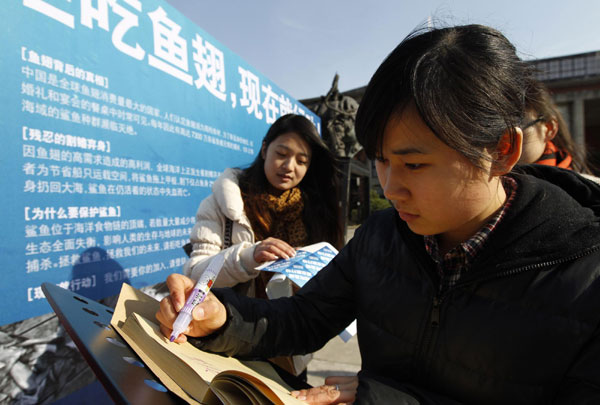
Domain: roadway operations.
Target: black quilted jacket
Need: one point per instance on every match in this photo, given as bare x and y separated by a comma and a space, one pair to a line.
522, 326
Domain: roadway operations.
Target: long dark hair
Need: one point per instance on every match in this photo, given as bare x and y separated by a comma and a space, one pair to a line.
319, 185
466, 82
539, 101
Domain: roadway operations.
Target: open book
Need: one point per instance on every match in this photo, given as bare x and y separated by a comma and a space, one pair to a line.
194, 375
299, 269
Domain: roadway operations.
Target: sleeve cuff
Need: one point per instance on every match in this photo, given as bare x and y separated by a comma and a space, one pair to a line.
247, 259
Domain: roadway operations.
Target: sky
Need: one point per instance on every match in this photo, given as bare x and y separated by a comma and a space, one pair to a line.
300, 45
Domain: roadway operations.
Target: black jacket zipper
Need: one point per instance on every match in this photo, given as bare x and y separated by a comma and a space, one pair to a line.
426, 349
534, 266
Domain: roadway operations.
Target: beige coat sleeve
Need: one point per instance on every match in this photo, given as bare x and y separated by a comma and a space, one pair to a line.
207, 241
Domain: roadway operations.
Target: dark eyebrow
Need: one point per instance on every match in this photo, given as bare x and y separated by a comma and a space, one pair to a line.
408, 151
286, 148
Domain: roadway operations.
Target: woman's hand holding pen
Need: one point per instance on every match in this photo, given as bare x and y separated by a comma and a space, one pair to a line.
208, 316
272, 249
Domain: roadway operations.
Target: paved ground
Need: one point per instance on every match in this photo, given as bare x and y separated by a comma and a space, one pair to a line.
336, 357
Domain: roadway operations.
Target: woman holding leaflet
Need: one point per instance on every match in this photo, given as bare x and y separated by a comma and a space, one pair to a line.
286, 198
481, 285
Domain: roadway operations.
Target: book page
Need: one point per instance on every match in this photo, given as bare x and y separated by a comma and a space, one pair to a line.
207, 365
183, 361
169, 370
130, 301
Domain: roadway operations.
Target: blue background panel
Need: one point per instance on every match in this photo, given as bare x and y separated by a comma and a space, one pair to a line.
117, 116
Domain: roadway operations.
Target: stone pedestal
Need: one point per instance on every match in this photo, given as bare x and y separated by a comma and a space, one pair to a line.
354, 193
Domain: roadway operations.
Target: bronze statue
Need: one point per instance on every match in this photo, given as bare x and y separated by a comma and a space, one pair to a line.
338, 113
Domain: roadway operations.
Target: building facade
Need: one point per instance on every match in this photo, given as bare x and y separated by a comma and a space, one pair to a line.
574, 81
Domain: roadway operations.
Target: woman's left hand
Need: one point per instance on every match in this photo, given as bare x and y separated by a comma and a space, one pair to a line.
336, 390
272, 249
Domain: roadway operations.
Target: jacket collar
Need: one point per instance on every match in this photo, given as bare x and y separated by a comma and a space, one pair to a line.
555, 215
535, 231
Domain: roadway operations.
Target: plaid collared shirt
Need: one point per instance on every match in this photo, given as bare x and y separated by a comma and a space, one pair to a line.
458, 260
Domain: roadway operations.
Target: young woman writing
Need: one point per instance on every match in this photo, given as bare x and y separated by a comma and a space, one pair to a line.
480, 285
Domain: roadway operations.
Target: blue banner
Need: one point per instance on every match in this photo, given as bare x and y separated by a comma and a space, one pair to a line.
117, 116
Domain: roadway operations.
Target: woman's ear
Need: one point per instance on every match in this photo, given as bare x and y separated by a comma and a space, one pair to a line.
551, 128
508, 152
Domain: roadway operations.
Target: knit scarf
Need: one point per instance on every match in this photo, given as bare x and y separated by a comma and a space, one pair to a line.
284, 220
554, 156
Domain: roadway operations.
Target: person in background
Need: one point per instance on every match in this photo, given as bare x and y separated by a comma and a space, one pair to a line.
546, 137
287, 198
481, 285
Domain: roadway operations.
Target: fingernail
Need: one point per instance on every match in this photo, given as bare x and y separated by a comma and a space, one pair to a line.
302, 397
198, 313
178, 305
